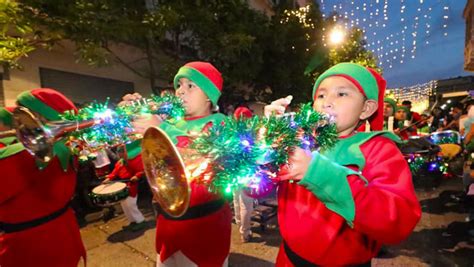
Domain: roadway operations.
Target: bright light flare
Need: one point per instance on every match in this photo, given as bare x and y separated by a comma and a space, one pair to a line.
337, 36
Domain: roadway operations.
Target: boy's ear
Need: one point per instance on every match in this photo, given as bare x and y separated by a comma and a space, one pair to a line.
370, 107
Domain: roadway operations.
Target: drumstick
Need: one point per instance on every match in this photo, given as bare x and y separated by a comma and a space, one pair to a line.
413, 124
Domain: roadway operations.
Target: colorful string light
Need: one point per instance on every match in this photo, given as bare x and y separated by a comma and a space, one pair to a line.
113, 126
248, 153
418, 94
411, 29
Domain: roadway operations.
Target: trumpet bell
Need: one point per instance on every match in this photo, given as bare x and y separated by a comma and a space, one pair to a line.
165, 171
37, 139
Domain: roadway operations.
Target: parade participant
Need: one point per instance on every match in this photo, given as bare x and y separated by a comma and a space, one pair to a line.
423, 126
201, 237
6, 123
39, 227
455, 115
389, 108
337, 207
403, 128
130, 166
243, 204
412, 116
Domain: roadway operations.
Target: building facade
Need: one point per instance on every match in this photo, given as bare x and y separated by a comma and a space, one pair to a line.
59, 69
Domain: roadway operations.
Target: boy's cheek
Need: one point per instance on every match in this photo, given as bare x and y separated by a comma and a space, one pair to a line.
317, 107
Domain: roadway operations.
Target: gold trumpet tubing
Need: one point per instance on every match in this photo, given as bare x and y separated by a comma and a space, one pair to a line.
8, 133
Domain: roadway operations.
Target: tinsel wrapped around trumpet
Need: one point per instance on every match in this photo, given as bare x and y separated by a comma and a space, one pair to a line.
239, 153
94, 127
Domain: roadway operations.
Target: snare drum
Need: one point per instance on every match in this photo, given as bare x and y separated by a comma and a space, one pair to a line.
448, 141
105, 195
445, 137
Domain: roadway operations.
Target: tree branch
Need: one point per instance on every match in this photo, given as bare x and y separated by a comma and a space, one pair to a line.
124, 63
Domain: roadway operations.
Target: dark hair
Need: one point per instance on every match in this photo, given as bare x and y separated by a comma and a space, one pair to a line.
458, 105
468, 103
406, 102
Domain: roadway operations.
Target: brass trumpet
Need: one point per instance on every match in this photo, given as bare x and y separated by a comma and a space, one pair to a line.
165, 171
8, 133
37, 137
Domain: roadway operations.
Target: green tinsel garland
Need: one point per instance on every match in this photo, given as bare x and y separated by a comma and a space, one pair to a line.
243, 149
115, 125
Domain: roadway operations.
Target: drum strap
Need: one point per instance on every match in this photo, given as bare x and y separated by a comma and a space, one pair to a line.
297, 260
197, 211
9, 228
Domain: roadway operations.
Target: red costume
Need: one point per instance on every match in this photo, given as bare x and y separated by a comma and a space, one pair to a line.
27, 194
203, 233
353, 197
386, 210
39, 227
126, 169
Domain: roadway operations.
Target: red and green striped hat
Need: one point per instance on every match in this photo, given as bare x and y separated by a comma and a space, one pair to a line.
370, 83
404, 108
6, 115
47, 102
204, 75
392, 102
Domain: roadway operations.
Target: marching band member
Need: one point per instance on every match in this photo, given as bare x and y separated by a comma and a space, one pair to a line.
130, 166
6, 123
337, 207
39, 228
201, 237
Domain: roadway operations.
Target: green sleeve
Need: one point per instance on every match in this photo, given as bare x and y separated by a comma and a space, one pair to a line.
8, 140
327, 180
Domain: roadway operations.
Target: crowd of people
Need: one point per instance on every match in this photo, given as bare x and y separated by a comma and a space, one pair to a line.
456, 122
403, 121
335, 207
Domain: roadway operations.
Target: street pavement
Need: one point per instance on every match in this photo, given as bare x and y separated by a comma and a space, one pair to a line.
440, 239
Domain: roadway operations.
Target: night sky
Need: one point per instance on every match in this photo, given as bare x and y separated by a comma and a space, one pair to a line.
438, 51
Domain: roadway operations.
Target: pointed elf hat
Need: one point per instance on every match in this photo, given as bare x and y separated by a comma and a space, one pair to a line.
6, 115
204, 75
370, 83
47, 102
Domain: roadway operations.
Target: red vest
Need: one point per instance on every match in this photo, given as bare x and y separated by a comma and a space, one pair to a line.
386, 208
204, 240
28, 193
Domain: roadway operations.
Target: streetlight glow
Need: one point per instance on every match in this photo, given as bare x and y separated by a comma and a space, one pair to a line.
337, 36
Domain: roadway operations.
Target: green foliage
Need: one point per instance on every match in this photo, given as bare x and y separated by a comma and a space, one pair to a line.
292, 43
18, 34
252, 50
226, 33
